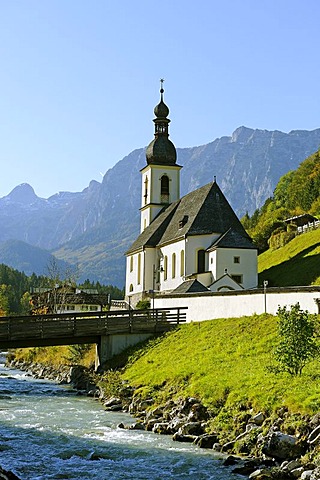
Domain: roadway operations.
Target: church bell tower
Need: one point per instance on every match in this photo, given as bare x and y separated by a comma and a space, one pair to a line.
161, 175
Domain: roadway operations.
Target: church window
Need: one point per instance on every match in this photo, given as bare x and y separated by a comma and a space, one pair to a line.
131, 288
182, 263
237, 278
164, 189
146, 191
173, 266
201, 261
139, 269
236, 259
165, 267
131, 264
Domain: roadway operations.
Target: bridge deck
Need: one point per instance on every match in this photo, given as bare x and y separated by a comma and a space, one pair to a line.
88, 327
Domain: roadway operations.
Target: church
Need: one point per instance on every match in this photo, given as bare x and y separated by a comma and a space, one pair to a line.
191, 244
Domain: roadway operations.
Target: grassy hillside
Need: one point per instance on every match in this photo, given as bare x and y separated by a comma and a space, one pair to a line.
297, 263
223, 362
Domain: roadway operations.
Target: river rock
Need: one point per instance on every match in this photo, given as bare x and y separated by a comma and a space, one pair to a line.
315, 420
137, 426
314, 437
80, 377
7, 475
315, 474
261, 474
281, 446
177, 437
206, 441
306, 475
113, 404
162, 428
257, 419
191, 428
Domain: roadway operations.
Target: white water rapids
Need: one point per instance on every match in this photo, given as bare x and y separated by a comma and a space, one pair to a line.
47, 431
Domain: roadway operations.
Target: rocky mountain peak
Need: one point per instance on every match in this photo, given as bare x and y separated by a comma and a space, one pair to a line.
23, 194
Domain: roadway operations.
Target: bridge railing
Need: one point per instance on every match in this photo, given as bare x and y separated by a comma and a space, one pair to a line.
88, 324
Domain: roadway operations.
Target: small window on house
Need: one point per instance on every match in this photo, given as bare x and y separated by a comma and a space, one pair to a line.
93, 308
165, 267
182, 263
211, 261
139, 269
183, 221
201, 261
173, 266
237, 278
131, 264
145, 190
164, 192
236, 259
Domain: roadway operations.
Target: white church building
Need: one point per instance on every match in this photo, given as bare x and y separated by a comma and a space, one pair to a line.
191, 244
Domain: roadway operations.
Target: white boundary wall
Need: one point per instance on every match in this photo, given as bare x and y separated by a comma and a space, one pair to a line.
207, 306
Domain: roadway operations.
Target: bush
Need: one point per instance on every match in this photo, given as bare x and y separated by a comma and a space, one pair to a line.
298, 339
143, 305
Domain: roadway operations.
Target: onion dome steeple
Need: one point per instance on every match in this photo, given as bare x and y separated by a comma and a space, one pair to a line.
161, 150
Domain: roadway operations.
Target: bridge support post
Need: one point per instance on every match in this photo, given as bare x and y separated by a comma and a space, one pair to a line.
111, 345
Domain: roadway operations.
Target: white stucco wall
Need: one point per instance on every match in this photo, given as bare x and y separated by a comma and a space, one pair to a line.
193, 244
132, 275
247, 266
237, 304
167, 251
151, 203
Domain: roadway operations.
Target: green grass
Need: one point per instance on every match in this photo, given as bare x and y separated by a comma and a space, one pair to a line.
223, 362
297, 263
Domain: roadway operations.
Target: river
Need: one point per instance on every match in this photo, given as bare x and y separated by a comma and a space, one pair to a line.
47, 431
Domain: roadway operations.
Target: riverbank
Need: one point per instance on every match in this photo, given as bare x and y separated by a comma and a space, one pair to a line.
52, 431
284, 446
213, 379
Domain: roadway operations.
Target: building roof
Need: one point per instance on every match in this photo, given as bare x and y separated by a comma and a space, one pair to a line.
191, 286
201, 212
161, 151
231, 239
301, 220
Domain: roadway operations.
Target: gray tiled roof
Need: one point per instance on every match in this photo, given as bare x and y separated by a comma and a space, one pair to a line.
232, 238
191, 286
204, 211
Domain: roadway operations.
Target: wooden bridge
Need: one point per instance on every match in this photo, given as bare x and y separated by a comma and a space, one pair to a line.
121, 328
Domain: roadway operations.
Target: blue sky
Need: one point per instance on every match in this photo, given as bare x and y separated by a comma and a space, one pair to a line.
80, 78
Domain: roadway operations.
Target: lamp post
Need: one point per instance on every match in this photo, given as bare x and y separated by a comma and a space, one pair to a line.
265, 284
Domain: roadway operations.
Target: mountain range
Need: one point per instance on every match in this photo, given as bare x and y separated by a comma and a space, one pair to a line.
92, 229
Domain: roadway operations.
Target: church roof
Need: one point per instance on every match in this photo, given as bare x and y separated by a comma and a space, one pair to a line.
203, 211
161, 151
232, 238
191, 286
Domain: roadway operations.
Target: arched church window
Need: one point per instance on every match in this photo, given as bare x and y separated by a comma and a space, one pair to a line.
201, 261
139, 269
173, 266
164, 189
182, 263
131, 288
131, 263
146, 190
165, 268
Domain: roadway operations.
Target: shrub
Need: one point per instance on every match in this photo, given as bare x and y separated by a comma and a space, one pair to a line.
143, 305
298, 341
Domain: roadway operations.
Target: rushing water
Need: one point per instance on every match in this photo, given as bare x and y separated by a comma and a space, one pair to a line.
49, 432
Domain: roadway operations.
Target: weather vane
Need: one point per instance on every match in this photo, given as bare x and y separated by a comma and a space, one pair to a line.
161, 82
